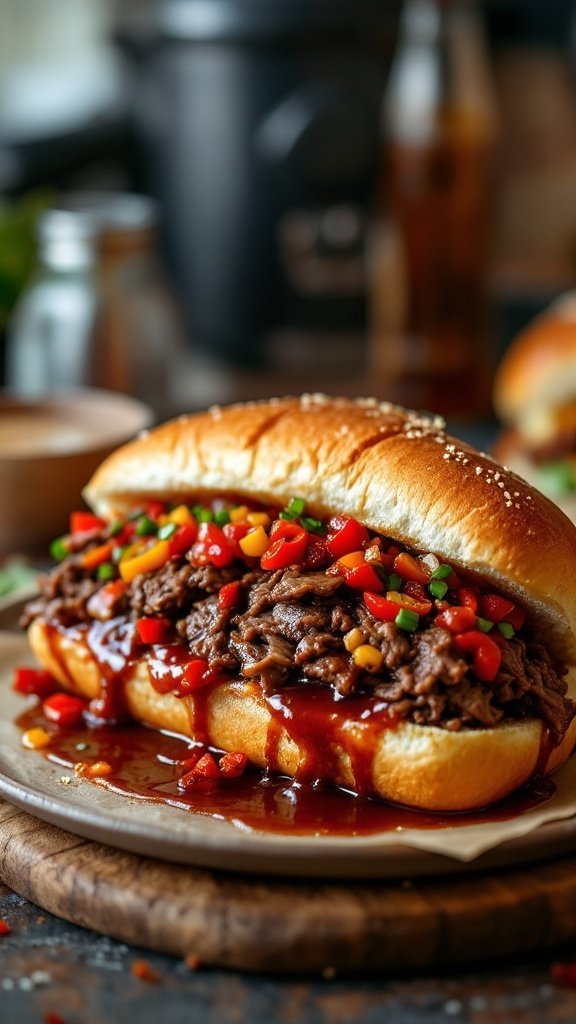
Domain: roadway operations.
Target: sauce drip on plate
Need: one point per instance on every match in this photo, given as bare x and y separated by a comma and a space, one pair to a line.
146, 765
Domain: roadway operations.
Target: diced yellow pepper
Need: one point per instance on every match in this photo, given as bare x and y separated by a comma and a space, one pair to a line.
180, 515
259, 519
35, 739
93, 771
255, 543
239, 514
152, 558
353, 639
352, 560
368, 657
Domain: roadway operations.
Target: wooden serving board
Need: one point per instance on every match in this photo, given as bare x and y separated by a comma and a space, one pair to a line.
281, 925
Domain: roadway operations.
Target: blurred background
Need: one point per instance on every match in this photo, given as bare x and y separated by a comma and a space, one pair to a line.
210, 200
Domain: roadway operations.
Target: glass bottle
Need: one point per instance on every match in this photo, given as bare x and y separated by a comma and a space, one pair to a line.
141, 345
429, 255
50, 335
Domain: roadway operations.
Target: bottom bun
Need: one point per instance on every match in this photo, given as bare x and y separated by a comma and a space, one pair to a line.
420, 766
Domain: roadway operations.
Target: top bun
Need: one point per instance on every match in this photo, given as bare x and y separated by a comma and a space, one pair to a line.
538, 371
395, 471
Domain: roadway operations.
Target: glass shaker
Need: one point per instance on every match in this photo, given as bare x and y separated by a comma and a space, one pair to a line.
51, 332
99, 312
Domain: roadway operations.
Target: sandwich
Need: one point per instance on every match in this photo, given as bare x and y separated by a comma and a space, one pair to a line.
535, 397
332, 590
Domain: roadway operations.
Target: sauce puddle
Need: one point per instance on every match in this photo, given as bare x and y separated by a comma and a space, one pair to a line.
146, 765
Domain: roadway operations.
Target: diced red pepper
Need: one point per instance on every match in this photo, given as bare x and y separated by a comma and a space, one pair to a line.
154, 509
204, 773
196, 676
456, 619
410, 568
36, 681
4, 928
101, 603
501, 609
381, 607
83, 522
415, 590
154, 630
363, 577
125, 535
234, 533
453, 581
289, 542
317, 554
212, 547
229, 595
233, 765
487, 656
344, 535
468, 596
181, 541
64, 709
494, 607
516, 617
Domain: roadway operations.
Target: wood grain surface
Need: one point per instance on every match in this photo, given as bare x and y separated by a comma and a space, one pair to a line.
284, 925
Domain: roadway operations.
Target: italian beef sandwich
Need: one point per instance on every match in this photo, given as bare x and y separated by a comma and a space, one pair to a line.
333, 590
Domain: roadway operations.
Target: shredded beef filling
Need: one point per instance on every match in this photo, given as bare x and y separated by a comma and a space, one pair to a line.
289, 627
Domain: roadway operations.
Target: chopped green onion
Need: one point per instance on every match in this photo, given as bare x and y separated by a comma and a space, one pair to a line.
221, 517
484, 625
313, 525
146, 527
202, 514
395, 582
59, 549
116, 527
294, 508
506, 630
407, 619
438, 589
441, 572
105, 571
81, 746
135, 515
167, 530
119, 552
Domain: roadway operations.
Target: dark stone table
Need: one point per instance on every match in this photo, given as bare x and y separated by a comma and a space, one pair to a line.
48, 967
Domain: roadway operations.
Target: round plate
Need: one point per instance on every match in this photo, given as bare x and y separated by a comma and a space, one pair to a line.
33, 783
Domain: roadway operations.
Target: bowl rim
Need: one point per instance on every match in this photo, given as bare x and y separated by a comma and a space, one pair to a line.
137, 418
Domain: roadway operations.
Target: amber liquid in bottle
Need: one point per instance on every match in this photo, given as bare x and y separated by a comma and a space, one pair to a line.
431, 246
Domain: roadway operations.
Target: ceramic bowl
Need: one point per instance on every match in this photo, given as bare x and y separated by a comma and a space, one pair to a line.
49, 448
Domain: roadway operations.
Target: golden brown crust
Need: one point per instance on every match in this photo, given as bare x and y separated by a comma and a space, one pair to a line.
420, 766
510, 450
539, 367
398, 473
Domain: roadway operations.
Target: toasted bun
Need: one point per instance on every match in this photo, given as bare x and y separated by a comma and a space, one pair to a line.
398, 473
538, 371
420, 766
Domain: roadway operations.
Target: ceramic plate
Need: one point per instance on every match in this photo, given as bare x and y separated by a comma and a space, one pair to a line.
33, 783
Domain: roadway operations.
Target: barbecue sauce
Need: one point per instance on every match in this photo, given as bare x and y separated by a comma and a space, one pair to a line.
146, 764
